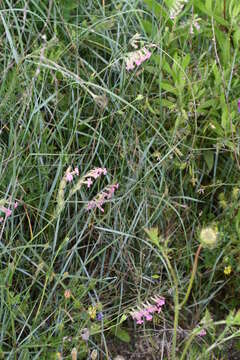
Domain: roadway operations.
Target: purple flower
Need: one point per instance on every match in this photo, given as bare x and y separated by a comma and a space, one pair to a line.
99, 316
239, 105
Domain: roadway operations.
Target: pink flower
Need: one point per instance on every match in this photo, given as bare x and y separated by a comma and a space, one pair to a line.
152, 309
97, 172
1, 219
239, 105
129, 65
160, 301
148, 310
147, 54
89, 182
6, 211
69, 177
137, 58
76, 171
100, 199
137, 315
147, 315
15, 205
138, 61
202, 332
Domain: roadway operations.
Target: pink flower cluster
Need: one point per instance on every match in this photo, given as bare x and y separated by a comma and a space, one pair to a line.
7, 211
101, 198
136, 58
147, 310
69, 174
95, 173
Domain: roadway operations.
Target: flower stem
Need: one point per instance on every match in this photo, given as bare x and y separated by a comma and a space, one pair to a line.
194, 270
176, 304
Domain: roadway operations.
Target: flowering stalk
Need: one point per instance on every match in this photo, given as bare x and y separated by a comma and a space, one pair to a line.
101, 197
6, 210
147, 310
68, 178
136, 58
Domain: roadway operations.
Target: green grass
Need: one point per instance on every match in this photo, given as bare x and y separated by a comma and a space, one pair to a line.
168, 134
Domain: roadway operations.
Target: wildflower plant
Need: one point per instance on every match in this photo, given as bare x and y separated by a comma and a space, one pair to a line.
135, 58
6, 208
148, 309
87, 180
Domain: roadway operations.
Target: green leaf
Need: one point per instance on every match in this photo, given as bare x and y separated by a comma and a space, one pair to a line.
208, 5
157, 9
149, 27
209, 158
225, 119
186, 61
207, 318
199, 5
233, 319
121, 334
168, 87
153, 235
123, 318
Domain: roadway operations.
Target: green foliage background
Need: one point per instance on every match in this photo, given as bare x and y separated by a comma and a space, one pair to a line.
168, 133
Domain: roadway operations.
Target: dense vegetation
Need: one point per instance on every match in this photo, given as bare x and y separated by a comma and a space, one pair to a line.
119, 160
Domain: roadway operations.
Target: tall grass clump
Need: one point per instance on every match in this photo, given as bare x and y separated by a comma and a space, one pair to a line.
119, 191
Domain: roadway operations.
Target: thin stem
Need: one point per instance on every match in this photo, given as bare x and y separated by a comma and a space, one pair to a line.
176, 304
194, 270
